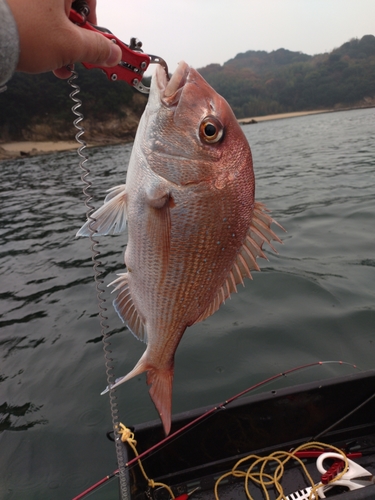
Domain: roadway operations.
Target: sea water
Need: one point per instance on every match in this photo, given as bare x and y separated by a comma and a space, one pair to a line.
313, 301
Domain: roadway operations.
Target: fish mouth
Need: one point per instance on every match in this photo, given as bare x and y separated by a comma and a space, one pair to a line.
170, 91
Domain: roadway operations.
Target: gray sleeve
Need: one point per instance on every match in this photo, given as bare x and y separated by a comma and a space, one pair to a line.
9, 43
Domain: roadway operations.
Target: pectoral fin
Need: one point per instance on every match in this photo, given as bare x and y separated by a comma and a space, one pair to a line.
160, 204
111, 217
259, 232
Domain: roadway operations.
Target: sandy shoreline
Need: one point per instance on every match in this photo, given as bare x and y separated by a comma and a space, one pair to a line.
254, 119
9, 150
33, 148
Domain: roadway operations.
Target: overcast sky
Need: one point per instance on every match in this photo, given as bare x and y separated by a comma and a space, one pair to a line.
212, 31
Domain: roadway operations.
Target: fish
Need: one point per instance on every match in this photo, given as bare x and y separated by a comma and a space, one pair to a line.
194, 227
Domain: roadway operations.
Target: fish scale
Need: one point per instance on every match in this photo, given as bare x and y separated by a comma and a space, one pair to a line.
194, 229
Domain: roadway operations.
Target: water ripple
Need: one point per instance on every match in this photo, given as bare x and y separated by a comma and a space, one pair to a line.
313, 301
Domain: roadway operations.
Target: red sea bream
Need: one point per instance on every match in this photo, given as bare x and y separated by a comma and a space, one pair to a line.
194, 227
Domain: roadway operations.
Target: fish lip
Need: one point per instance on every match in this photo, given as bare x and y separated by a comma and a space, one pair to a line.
170, 90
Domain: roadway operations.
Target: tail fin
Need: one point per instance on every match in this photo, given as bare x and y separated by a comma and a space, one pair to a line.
161, 394
160, 390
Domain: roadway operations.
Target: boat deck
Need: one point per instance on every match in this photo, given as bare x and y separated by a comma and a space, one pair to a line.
339, 412
294, 482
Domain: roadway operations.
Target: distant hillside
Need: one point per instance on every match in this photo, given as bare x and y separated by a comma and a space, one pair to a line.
37, 107
258, 83
262, 62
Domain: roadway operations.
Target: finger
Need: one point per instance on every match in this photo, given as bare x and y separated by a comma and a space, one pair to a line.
64, 72
97, 49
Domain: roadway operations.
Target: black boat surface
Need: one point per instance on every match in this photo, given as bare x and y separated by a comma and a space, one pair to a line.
339, 412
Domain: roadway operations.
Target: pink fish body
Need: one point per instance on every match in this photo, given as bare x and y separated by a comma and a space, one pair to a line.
194, 229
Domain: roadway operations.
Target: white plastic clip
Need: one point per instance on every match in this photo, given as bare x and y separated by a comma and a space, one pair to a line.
354, 478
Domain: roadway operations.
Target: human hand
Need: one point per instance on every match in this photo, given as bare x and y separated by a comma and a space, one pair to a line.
49, 41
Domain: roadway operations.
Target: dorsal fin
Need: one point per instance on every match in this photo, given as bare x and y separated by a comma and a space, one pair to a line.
126, 309
259, 232
109, 218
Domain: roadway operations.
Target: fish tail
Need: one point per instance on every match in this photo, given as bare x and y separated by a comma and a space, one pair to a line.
161, 393
160, 382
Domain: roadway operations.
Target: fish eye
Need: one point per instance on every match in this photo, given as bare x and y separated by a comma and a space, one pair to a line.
211, 130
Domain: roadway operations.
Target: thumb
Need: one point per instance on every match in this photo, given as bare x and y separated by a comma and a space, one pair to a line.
95, 48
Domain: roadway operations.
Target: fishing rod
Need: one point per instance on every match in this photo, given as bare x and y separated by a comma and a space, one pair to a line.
97, 485
335, 424
213, 410
223, 405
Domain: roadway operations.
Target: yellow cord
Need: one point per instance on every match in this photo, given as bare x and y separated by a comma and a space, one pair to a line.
265, 480
128, 437
261, 478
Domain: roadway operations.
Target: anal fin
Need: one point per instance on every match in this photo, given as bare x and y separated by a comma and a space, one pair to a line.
126, 309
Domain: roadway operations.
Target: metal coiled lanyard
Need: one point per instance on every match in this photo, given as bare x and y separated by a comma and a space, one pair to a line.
130, 69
